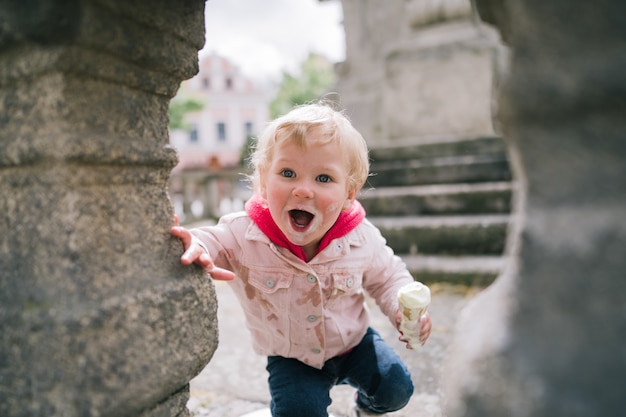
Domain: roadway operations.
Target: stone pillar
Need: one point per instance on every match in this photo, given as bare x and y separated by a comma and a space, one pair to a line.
439, 80
547, 339
370, 27
97, 316
418, 71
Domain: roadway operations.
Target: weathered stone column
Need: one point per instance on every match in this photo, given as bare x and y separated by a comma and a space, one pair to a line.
439, 79
548, 338
97, 317
418, 71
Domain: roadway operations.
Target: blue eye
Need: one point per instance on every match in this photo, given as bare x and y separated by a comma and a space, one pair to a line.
287, 173
324, 178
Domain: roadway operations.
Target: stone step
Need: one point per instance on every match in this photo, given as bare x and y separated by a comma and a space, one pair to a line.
439, 147
443, 199
459, 270
443, 206
482, 159
440, 170
445, 235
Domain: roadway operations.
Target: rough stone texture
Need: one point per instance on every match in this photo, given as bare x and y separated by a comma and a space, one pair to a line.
547, 339
97, 316
418, 70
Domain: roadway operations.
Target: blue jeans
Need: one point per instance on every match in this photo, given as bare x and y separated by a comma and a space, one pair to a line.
382, 380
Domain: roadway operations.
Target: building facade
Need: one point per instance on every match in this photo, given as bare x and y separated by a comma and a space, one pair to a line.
233, 109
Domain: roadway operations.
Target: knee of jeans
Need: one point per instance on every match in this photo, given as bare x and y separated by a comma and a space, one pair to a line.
402, 387
399, 397
403, 397
393, 393
393, 401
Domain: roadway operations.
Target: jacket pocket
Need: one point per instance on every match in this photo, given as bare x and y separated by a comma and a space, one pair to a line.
272, 288
346, 283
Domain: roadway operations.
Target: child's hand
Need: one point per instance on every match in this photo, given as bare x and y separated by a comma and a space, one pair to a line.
195, 253
425, 328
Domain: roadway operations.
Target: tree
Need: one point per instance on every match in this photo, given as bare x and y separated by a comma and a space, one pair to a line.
316, 78
177, 110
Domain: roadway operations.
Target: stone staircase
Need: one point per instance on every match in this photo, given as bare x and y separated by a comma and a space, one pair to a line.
444, 207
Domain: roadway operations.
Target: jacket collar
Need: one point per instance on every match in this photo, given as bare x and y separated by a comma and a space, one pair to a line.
260, 215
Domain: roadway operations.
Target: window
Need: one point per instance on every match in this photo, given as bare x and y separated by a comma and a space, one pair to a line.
229, 83
206, 83
221, 131
193, 133
248, 128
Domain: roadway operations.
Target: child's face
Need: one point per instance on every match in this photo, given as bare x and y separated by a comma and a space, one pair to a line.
306, 190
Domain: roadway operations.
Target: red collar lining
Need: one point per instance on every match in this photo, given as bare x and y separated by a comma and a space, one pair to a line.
347, 221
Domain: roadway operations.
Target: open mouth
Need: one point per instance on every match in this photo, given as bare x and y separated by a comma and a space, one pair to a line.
300, 218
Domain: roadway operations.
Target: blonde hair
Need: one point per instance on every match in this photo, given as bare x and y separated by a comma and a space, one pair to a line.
332, 125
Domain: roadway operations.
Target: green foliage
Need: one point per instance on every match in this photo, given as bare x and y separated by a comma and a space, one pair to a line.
316, 78
179, 108
246, 153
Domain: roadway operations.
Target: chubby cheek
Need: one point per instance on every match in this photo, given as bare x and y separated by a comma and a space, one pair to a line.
332, 208
272, 192
337, 206
332, 211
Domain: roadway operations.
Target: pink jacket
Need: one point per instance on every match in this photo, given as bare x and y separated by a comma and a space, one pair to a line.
309, 311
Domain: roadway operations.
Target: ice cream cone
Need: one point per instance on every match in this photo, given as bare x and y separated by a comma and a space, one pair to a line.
414, 299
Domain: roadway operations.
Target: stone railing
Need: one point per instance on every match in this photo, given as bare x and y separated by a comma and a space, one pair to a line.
207, 195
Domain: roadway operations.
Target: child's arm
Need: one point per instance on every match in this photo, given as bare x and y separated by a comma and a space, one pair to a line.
425, 328
196, 253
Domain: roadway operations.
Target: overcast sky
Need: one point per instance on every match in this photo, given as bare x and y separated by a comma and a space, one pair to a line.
266, 37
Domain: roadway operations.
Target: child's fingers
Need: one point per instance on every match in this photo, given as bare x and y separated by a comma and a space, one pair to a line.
183, 234
426, 327
201, 258
204, 260
221, 274
425, 323
196, 254
405, 340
